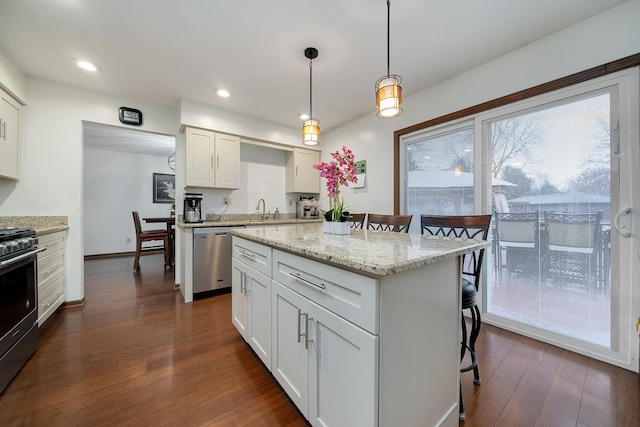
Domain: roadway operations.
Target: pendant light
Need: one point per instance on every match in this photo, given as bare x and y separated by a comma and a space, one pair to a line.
311, 126
388, 90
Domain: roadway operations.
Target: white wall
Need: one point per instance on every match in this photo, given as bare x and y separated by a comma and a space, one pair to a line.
611, 35
51, 182
208, 117
262, 176
114, 185
12, 79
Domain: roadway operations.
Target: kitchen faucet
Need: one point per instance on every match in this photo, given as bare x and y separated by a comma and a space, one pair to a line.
264, 217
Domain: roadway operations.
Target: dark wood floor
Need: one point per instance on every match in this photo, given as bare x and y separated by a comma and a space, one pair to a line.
136, 355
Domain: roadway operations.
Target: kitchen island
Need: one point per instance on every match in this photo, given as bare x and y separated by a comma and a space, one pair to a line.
362, 329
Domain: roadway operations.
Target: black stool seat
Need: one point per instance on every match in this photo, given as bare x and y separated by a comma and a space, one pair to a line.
468, 294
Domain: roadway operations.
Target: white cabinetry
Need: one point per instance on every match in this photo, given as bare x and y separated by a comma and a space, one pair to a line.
324, 363
300, 176
212, 159
51, 274
327, 364
9, 137
251, 296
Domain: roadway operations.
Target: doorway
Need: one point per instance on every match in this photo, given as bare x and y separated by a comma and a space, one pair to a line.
118, 170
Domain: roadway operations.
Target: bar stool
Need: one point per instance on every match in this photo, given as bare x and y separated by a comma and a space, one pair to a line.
466, 227
397, 223
357, 221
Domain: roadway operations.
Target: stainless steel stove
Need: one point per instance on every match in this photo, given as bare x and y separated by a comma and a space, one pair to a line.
18, 300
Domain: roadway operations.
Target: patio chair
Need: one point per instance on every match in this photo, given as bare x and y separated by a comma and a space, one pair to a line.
518, 239
574, 245
469, 227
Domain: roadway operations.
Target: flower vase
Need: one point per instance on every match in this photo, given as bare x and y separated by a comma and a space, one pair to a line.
331, 227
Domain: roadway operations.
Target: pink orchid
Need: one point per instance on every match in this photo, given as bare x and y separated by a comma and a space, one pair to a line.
339, 172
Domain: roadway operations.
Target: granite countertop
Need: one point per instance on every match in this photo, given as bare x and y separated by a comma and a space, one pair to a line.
375, 252
245, 221
41, 224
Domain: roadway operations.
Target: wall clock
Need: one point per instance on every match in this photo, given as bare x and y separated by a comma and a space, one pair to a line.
171, 161
130, 116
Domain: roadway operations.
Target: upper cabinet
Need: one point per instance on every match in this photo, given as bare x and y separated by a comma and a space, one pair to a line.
301, 177
212, 159
9, 137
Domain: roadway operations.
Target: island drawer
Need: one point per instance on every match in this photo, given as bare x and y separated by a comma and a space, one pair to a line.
253, 254
349, 295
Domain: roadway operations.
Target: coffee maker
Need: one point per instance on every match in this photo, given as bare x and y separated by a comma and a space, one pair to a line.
307, 207
192, 210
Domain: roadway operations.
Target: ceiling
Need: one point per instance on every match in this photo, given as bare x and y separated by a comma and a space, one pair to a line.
114, 138
161, 51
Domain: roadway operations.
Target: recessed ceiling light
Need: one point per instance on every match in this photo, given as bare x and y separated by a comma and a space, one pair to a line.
86, 65
304, 117
222, 93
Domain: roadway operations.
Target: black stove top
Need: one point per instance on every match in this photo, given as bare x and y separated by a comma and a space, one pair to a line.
15, 241
14, 233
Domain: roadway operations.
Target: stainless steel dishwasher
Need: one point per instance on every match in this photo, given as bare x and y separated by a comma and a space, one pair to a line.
211, 258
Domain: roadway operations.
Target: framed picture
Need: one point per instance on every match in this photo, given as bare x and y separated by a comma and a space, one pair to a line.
164, 188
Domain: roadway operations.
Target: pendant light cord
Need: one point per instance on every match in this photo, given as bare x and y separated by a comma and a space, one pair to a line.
388, 38
310, 88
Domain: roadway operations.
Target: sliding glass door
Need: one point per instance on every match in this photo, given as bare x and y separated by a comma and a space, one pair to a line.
556, 173
552, 228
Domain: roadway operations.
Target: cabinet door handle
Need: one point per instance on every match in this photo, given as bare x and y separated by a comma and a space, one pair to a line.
3, 129
242, 282
300, 314
307, 281
246, 280
306, 331
212, 161
217, 161
296, 171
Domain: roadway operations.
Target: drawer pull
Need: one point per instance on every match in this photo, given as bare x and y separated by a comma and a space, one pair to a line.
307, 281
53, 300
243, 253
48, 272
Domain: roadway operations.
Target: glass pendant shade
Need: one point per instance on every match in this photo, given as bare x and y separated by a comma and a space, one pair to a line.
311, 126
311, 132
389, 96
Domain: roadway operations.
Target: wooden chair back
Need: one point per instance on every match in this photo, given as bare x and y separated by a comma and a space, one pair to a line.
357, 221
396, 223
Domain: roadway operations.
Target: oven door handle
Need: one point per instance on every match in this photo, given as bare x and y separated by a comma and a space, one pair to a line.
21, 257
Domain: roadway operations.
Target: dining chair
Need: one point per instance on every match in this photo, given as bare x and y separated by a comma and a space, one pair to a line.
150, 236
397, 223
574, 245
465, 227
357, 221
518, 239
